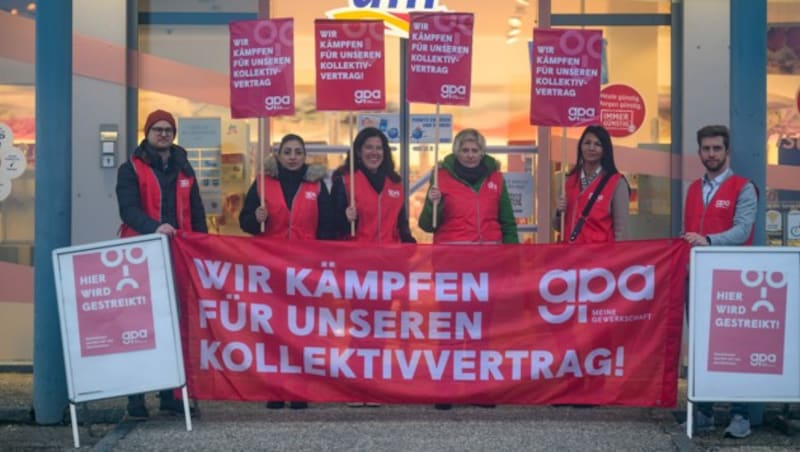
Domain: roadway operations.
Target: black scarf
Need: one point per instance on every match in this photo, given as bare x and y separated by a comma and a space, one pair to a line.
471, 175
290, 182
376, 179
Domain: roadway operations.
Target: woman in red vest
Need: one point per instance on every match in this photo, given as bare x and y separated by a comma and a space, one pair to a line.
594, 176
379, 210
473, 205
297, 205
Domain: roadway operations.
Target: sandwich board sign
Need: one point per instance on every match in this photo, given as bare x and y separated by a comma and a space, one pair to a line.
119, 320
744, 325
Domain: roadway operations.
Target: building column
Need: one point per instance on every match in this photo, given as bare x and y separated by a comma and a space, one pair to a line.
748, 99
53, 201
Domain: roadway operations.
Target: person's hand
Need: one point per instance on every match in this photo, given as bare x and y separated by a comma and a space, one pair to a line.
435, 195
696, 239
561, 204
351, 213
166, 229
261, 214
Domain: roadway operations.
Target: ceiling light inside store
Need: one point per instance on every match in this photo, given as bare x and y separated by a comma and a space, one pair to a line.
511, 40
31, 6
524, 2
514, 21
513, 31
14, 11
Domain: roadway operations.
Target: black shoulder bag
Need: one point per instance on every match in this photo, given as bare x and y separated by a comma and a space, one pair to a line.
579, 225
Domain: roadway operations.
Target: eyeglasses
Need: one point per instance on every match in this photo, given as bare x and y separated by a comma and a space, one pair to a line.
162, 130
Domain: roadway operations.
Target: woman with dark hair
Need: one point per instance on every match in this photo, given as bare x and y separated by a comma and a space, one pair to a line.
594, 176
379, 209
297, 205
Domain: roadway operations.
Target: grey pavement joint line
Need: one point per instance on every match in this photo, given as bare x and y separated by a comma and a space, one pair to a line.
114, 436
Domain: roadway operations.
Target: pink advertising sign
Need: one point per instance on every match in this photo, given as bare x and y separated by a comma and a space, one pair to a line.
114, 302
621, 110
748, 321
350, 65
565, 77
262, 68
439, 68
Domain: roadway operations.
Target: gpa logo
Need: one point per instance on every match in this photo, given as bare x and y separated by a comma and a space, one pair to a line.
185, 183
492, 186
311, 196
763, 359
722, 204
580, 113
453, 91
367, 96
569, 291
133, 336
393, 193
272, 103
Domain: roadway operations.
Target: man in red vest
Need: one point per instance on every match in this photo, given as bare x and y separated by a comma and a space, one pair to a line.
720, 210
157, 192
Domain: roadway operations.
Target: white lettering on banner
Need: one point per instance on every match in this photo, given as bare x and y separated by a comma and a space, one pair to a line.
216, 274
466, 365
276, 102
580, 113
388, 285
113, 303
258, 315
381, 324
635, 283
727, 322
365, 96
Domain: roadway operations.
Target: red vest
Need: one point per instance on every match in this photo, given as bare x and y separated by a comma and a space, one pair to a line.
150, 196
298, 223
718, 215
599, 225
468, 216
377, 212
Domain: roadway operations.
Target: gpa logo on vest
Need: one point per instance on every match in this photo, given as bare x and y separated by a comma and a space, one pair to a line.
185, 183
394, 193
311, 196
722, 204
492, 186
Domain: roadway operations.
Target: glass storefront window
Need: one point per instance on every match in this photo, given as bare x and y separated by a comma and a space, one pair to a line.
783, 123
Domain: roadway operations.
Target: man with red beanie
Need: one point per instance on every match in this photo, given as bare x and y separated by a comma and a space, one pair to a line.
157, 192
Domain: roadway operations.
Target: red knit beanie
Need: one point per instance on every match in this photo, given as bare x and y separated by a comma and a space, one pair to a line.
158, 115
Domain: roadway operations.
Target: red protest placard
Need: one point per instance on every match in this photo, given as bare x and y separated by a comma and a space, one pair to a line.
565, 77
350, 65
114, 301
748, 321
621, 110
439, 64
262, 68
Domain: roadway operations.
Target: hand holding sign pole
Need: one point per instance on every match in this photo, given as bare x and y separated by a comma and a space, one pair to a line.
350, 73
262, 74
565, 83
439, 66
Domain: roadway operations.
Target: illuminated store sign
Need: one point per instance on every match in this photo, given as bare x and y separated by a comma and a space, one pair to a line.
393, 13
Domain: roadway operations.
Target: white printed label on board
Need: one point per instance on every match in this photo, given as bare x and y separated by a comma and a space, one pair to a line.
12, 163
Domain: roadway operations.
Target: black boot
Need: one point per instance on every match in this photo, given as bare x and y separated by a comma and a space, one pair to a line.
136, 406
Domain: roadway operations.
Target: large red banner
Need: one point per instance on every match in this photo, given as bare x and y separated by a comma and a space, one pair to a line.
439, 69
565, 77
336, 321
350, 65
262, 68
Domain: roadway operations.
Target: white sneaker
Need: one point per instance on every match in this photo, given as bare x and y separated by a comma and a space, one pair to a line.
703, 423
739, 427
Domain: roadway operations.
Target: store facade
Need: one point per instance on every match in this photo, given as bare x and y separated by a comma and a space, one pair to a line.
131, 57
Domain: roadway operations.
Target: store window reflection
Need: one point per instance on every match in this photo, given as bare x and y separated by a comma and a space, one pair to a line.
17, 173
